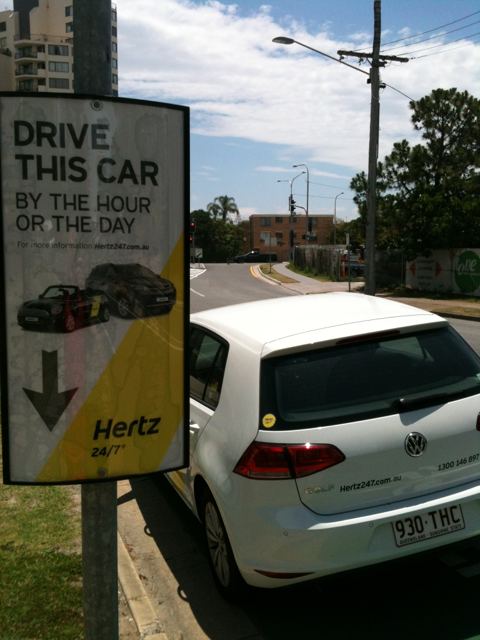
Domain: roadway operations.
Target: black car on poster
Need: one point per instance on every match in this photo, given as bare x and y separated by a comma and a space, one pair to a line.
132, 289
63, 308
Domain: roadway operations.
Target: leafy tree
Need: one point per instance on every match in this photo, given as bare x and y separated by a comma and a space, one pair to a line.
219, 240
428, 195
356, 230
222, 206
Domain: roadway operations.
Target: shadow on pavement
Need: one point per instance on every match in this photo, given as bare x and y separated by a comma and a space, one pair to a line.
419, 599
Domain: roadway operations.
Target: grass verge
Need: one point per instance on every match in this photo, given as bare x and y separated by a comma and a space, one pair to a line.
265, 268
461, 311
40, 564
405, 292
311, 273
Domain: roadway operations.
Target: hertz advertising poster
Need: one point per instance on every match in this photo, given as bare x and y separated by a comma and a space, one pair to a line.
94, 201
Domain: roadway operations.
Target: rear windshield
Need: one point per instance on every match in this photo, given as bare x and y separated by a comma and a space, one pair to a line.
367, 379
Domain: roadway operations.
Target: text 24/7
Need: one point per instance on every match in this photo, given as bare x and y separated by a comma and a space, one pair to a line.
106, 452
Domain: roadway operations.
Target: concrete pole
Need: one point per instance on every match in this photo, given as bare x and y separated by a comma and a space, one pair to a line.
373, 154
93, 75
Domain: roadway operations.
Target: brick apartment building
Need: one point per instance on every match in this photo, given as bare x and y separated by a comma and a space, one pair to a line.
260, 230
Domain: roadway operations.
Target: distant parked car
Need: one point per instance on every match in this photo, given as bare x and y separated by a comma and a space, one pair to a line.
255, 256
132, 289
63, 308
328, 433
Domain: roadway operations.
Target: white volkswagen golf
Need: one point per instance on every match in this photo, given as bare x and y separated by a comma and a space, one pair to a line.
327, 433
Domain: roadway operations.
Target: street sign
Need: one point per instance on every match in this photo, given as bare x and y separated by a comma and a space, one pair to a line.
94, 204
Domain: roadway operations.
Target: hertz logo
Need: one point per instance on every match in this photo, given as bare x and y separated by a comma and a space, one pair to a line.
122, 429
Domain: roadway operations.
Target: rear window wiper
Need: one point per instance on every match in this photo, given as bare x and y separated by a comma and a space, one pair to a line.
411, 402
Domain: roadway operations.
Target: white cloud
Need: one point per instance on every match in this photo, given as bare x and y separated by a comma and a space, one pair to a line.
239, 84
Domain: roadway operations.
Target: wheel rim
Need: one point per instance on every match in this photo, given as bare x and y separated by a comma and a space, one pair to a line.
70, 323
123, 307
217, 544
106, 315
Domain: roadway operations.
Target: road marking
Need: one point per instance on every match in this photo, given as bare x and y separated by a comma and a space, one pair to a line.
194, 273
253, 272
198, 294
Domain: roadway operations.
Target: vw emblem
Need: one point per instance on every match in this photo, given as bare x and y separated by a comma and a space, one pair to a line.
415, 444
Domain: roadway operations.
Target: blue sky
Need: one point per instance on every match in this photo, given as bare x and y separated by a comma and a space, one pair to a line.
257, 108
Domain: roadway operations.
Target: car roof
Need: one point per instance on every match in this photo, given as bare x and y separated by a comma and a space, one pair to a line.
257, 323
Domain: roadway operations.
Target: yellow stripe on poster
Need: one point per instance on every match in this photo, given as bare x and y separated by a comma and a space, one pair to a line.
132, 414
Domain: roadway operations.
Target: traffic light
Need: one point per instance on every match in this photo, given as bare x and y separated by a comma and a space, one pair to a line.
192, 227
292, 206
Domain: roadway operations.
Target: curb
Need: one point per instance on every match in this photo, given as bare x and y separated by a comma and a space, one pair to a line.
136, 596
261, 275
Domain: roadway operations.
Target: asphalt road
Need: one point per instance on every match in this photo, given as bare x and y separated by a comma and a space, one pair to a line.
427, 598
221, 285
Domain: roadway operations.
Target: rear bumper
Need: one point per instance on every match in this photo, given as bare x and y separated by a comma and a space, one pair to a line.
286, 536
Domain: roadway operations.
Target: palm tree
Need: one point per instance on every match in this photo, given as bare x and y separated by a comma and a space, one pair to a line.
213, 209
225, 205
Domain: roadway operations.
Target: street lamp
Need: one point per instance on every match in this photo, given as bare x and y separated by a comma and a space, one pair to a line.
335, 226
290, 210
308, 182
373, 143
335, 220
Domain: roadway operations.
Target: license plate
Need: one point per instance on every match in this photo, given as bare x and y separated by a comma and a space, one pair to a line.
31, 319
164, 299
428, 525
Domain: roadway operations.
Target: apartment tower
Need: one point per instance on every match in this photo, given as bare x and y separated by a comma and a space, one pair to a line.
36, 47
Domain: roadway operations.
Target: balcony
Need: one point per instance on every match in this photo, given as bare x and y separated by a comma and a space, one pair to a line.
27, 39
30, 90
22, 53
26, 71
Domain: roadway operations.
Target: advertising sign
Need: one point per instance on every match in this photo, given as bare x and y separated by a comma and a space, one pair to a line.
466, 267
94, 202
455, 270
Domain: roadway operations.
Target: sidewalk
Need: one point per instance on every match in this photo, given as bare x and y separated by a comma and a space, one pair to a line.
305, 286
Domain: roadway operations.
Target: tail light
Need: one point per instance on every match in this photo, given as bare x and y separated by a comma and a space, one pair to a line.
279, 461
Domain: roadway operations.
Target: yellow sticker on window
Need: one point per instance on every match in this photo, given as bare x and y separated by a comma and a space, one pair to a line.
268, 420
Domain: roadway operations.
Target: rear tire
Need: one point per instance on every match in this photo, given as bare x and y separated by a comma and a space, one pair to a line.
104, 314
225, 572
124, 307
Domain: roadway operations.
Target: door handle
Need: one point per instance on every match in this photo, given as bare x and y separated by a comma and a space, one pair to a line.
194, 427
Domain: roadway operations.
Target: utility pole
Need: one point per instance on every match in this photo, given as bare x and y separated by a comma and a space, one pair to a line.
93, 75
377, 61
373, 154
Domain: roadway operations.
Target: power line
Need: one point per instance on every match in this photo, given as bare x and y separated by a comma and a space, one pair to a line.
429, 31
440, 35
445, 44
427, 55
331, 186
324, 197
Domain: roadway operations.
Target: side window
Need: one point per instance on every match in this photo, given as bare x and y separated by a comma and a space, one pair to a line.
208, 356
